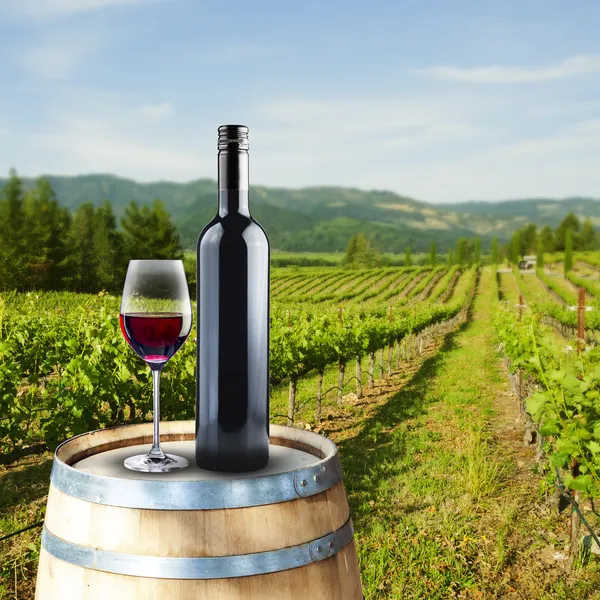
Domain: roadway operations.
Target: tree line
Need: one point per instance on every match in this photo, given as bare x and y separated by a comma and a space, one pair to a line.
44, 246
362, 254
570, 232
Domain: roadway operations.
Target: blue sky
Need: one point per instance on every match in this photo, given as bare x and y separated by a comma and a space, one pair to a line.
442, 100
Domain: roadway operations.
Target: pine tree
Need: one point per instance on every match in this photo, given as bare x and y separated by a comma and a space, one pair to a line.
570, 222
460, 251
13, 246
495, 251
568, 265
80, 263
539, 259
149, 233
45, 232
360, 254
477, 251
109, 257
548, 239
587, 236
432, 255
408, 258
516, 248
167, 236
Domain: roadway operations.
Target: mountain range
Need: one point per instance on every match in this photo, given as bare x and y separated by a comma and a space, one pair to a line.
324, 218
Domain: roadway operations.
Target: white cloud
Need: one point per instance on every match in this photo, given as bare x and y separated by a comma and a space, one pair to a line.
96, 145
57, 57
233, 53
570, 67
157, 112
327, 136
444, 148
554, 166
351, 128
48, 8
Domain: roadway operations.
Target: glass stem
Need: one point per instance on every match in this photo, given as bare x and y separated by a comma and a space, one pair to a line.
156, 451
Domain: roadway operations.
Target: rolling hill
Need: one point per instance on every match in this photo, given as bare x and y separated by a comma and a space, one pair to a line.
324, 218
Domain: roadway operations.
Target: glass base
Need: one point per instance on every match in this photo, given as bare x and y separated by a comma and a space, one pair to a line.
148, 463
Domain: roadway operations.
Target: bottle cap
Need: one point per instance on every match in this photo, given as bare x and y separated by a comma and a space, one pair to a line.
233, 134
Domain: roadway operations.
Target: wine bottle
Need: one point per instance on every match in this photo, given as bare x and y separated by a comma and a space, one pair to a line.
232, 388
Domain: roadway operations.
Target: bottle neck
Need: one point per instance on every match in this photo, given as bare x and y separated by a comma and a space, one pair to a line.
233, 182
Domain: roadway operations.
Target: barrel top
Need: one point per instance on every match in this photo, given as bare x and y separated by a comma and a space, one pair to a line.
282, 459
90, 467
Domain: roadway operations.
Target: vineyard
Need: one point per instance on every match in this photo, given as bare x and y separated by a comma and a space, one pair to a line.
549, 328
401, 366
66, 369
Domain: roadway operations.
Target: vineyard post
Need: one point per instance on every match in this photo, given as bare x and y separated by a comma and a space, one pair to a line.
358, 377
575, 523
520, 372
319, 394
581, 318
381, 364
521, 300
292, 400
371, 368
397, 344
341, 382
390, 357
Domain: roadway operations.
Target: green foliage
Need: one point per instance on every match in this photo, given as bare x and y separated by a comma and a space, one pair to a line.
539, 255
149, 233
516, 248
477, 251
408, 258
527, 239
80, 262
587, 238
460, 251
432, 255
65, 365
495, 251
13, 251
566, 406
569, 224
46, 231
44, 247
590, 286
546, 236
568, 263
583, 236
360, 254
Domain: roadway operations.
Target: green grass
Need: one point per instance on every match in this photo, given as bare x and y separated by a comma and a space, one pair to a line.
428, 481
509, 290
23, 489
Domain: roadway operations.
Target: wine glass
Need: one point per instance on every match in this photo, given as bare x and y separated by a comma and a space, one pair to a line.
156, 318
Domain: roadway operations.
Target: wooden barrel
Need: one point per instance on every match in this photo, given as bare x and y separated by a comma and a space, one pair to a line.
282, 533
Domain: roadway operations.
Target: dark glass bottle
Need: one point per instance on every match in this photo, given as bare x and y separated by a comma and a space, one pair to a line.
232, 388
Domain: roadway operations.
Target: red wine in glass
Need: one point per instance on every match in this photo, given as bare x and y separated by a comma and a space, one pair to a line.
155, 337
156, 318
